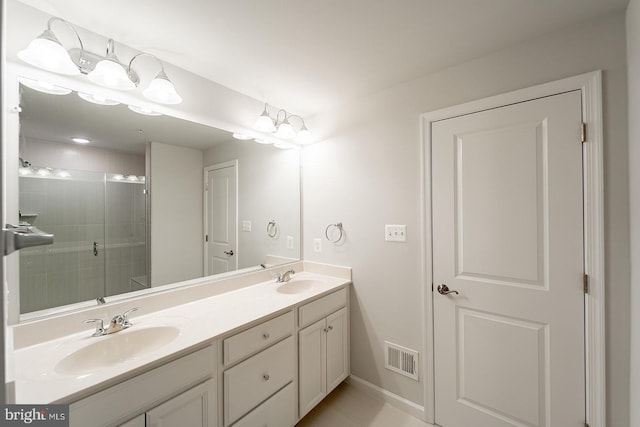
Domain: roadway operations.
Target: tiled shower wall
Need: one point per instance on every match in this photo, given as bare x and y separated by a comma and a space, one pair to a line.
79, 211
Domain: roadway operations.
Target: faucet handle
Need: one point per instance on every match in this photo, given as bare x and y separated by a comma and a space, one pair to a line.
126, 322
99, 328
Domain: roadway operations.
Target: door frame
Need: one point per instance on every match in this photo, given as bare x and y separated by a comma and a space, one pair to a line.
590, 84
205, 195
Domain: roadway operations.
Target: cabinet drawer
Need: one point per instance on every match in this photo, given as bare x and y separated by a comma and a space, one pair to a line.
251, 382
322, 307
257, 338
278, 411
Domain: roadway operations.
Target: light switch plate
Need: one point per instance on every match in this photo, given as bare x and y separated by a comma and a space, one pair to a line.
395, 233
246, 225
317, 245
289, 242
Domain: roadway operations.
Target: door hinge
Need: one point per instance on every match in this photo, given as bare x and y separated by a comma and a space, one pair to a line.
206, 238
583, 132
585, 283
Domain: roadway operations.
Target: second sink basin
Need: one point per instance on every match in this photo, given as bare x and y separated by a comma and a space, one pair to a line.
297, 286
116, 348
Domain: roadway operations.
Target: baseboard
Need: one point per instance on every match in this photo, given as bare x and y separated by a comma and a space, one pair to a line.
392, 399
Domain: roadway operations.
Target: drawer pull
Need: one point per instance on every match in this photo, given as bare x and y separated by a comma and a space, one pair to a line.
266, 377
265, 335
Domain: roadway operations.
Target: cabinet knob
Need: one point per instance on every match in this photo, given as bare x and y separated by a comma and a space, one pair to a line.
266, 377
265, 335
330, 328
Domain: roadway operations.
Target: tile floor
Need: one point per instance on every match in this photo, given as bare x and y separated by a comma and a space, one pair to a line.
347, 406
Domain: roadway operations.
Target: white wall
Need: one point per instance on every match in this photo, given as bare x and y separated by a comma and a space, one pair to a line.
177, 209
367, 173
633, 63
268, 189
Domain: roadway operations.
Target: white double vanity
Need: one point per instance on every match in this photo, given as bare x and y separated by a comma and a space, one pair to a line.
242, 351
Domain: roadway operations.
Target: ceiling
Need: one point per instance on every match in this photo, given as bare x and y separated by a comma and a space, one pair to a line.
309, 56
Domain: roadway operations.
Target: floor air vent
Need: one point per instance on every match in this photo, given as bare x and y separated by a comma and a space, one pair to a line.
401, 360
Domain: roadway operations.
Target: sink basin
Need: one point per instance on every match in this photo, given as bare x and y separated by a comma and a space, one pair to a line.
298, 286
116, 348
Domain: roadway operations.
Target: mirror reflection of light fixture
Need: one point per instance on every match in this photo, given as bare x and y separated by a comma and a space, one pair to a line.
47, 52
44, 87
97, 99
242, 136
79, 140
143, 110
282, 126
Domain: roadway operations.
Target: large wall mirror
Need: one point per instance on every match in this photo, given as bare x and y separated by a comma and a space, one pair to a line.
150, 201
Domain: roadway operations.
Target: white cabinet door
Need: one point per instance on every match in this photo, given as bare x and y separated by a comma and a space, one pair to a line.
337, 342
193, 408
312, 355
138, 421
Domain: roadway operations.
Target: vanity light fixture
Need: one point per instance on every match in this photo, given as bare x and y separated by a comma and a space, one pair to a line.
79, 140
47, 52
96, 99
45, 87
282, 127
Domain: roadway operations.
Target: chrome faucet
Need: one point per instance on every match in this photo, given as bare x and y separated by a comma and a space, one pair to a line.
285, 277
116, 324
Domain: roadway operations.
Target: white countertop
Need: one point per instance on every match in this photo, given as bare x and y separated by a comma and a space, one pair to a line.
201, 321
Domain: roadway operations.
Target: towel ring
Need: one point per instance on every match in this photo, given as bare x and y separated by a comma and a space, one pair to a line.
272, 228
337, 225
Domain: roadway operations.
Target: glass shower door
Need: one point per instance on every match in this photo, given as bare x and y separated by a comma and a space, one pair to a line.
71, 205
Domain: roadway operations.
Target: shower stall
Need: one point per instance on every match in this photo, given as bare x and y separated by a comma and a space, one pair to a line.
100, 248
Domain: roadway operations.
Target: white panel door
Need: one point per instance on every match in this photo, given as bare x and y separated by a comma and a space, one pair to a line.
508, 236
221, 221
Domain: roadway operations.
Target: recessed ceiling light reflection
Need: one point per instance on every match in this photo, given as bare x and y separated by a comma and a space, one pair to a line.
79, 140
143, 110
97, 99
45, 87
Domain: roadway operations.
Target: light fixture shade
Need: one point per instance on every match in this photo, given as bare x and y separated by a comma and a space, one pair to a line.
162, 90
111, 73
47, 53
285, 130
264, 123
304, 136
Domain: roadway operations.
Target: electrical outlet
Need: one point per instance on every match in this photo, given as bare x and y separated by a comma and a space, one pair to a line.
317, 245
395, 233
289, 242
246, 225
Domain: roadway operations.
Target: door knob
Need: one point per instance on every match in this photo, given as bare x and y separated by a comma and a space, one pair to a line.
230, 253
444, 290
